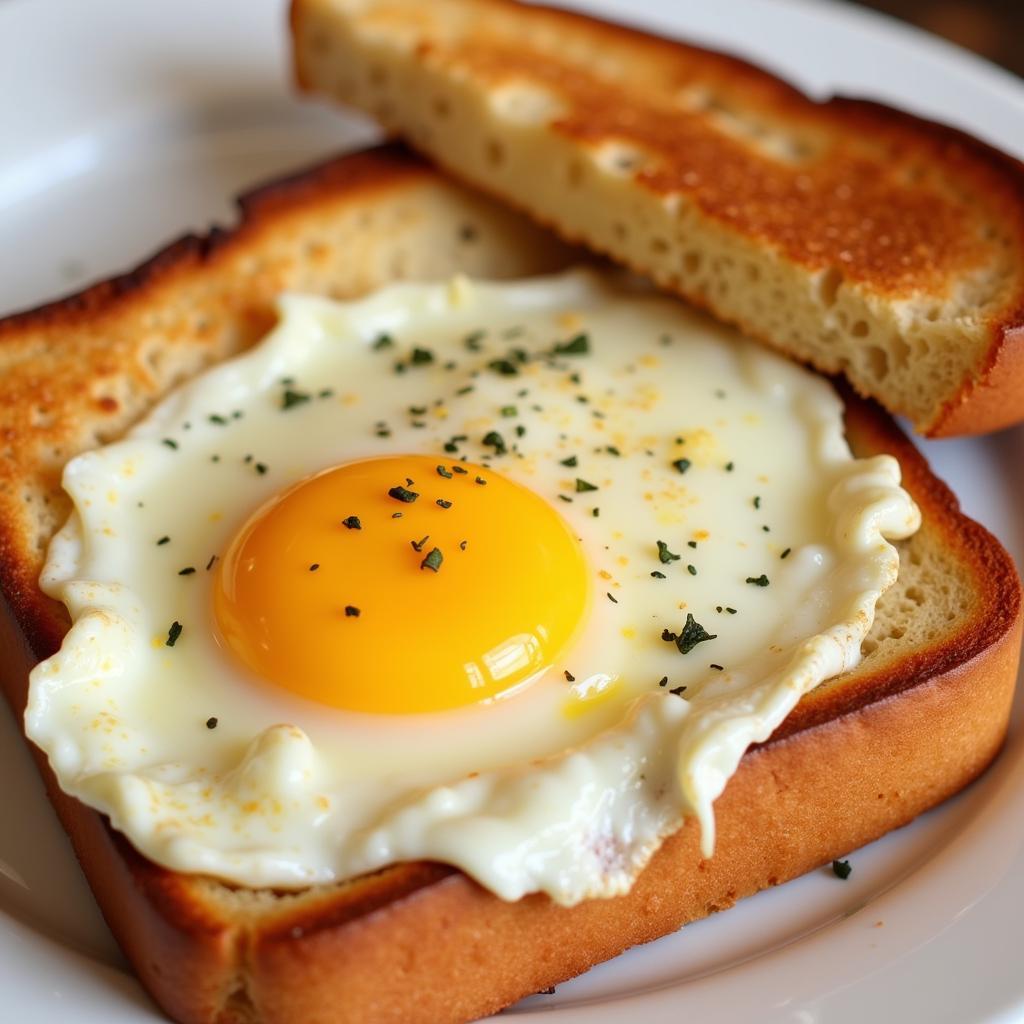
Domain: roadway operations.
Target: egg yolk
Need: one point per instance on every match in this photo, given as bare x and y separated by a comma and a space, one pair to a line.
402, 584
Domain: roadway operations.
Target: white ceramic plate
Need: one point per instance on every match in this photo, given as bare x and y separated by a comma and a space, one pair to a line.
122, 124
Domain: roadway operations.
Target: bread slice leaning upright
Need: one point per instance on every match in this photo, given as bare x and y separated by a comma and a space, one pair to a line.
845, 234
922, 715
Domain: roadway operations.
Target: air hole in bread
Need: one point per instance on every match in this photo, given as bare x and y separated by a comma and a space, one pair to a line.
574, 173
41, 417
494, 152
620, 230
878, 362
828, 286
441, 107
692, 261
933, 313
860, 329
377, 75
901, 352
659, 245
753, 273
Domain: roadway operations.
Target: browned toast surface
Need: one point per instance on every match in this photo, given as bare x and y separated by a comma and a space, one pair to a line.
922, 715
847, 234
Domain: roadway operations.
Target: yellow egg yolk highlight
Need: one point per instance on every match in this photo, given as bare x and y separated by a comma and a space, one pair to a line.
402, 584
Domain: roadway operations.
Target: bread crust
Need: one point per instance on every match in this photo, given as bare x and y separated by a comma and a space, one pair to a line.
422, 942
895, 242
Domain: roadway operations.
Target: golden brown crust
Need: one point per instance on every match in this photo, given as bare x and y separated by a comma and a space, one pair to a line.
421, 942
917, 223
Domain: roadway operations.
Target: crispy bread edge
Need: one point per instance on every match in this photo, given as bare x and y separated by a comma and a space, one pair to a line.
991, 394
337, 953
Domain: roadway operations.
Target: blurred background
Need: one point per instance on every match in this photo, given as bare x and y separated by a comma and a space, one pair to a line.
992, 28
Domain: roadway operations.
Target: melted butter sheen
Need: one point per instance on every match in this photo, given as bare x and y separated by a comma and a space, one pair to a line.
685, 547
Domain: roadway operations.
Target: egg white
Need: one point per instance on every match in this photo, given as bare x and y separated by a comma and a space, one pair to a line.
567, 787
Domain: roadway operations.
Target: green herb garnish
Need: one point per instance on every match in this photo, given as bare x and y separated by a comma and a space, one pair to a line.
582, 486
421, 357
173, 633
504, 367
291, 398
382, 341
352, 523
758, 581
576, 346
433, 560
842, 869
494, 440
682, 465
170, 442
664, 555
403, 494
692, 633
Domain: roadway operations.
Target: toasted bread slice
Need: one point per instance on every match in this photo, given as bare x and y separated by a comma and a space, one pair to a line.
848, 235
922, 716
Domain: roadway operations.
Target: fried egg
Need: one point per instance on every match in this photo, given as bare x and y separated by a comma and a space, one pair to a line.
506, 576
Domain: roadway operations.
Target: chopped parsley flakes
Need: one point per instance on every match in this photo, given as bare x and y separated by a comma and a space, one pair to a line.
576, 346
664, 555
692, 633
433, 560
403, 494
291, 398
